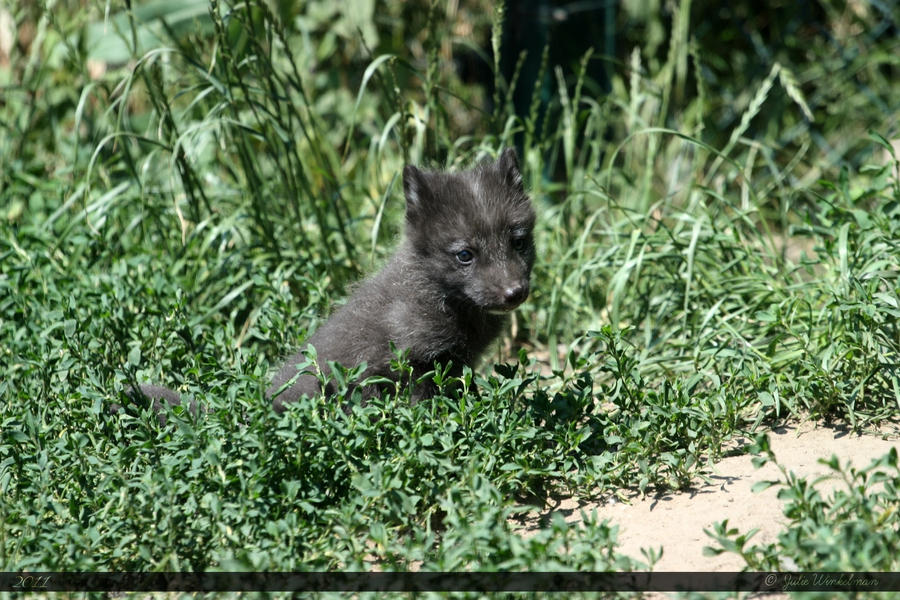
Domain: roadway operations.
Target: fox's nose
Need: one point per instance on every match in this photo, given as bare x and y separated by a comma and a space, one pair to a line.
515, 294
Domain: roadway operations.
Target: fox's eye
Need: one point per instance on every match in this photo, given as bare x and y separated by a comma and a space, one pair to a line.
465, 256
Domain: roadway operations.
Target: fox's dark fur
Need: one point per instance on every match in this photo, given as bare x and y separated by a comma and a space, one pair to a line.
443, 296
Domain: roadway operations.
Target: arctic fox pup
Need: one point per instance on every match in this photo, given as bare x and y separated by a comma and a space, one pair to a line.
443, 296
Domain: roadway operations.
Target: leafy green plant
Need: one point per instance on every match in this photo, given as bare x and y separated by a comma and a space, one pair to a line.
853, 528
718, 251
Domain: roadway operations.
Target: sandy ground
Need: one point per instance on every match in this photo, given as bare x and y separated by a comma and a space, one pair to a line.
675, 521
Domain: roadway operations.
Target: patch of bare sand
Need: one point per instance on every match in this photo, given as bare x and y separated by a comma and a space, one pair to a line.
675, 520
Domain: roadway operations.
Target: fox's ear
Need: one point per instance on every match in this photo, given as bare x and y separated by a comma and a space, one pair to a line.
416, 191
508, 165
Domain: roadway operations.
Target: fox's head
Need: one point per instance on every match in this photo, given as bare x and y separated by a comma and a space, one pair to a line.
474, 228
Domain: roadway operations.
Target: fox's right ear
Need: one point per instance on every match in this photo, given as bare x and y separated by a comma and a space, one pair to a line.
416, 191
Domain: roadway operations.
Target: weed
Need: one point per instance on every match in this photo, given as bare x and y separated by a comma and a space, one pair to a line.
854, 528
184, 196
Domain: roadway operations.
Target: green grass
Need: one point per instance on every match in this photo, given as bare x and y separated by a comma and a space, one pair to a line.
718, 251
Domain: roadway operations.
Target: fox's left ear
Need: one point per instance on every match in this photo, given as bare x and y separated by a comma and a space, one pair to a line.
418, 193
508, 165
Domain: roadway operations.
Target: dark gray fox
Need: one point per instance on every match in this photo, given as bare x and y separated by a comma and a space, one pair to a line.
443, 296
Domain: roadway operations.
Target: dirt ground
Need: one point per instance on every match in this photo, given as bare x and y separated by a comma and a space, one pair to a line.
675, 521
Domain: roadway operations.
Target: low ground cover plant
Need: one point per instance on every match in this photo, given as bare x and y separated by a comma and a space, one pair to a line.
182, 199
